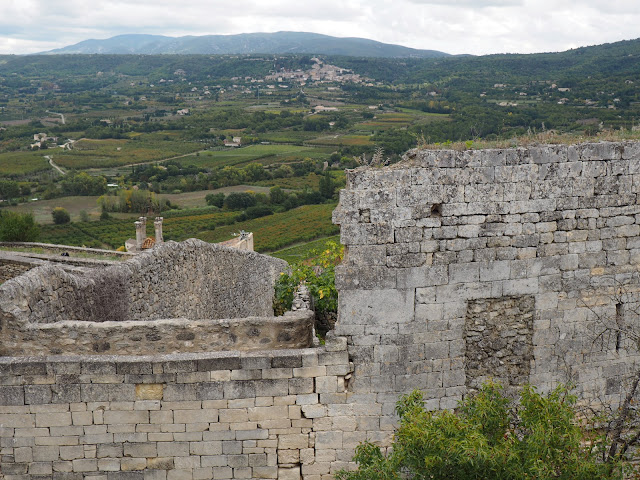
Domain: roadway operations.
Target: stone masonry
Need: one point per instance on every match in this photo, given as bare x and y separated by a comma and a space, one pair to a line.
462, 266
459, 266
271, 414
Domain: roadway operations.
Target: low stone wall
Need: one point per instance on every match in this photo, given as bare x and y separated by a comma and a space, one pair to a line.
274, 414
293, 330
193, 279
11, 268
57, 249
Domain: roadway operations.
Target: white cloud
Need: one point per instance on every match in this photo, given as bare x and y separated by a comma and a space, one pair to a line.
454, 26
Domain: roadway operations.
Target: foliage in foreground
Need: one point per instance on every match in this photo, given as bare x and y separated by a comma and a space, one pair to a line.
18, 227
318, 273
488, 437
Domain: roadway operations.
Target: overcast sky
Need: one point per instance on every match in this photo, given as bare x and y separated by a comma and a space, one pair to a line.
452, 26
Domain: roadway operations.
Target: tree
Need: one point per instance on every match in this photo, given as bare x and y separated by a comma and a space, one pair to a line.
277, 196
239, 200
18, 227
9, 189
60, 216
490, 437
327, 186
215, 199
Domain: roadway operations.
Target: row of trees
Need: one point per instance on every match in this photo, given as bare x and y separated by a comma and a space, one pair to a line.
173, 176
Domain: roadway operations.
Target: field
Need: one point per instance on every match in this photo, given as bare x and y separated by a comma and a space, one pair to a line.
288, 136
265, 154
303, 251
74, 205
388, 120
337, 140
281, 229
23, 163
114, 232
208, 223
111, 152
42, 208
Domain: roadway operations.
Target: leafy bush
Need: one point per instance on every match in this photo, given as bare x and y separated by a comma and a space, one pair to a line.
18, 227
489, 437
318, 273
60, 216
9, 189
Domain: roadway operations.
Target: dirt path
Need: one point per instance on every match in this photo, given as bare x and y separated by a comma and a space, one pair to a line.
48, 157
61, 116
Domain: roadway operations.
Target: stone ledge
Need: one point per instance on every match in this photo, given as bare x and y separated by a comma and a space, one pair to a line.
292, 331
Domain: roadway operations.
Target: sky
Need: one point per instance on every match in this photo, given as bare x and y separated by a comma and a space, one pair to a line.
475, 27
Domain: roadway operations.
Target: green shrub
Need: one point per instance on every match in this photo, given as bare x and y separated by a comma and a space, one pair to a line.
215, 199
238, 200
318, 273
489, 437
18, 227
60, 216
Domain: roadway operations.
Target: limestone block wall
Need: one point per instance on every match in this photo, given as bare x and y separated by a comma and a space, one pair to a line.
285, 414
187, 297
464, 266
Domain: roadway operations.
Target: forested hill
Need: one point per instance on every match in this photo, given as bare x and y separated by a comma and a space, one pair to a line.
599, 60
246, 43
588, 89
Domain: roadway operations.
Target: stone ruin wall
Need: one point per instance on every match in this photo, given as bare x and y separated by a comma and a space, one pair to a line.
187, 297
14, 263
282, 414
459, 266
14, 267
466, 266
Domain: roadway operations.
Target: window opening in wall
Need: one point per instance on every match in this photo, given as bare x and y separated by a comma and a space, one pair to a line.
436, 210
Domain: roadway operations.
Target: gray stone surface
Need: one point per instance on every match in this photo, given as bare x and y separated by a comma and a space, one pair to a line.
504, 253
120, 308
459, 266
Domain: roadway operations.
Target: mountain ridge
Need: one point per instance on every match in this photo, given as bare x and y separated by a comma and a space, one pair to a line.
244, 43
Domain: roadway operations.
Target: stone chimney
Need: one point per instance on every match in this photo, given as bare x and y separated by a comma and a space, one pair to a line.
158, 225
140, 234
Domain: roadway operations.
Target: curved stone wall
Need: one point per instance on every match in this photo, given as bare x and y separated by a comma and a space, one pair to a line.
54, 311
